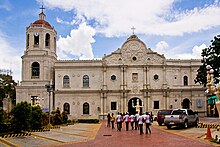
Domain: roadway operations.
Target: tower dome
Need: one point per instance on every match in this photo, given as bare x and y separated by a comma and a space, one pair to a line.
42, 20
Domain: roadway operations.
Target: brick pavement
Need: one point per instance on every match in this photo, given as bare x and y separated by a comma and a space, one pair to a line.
107, 137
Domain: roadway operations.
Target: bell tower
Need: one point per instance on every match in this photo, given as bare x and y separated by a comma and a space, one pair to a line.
38, 60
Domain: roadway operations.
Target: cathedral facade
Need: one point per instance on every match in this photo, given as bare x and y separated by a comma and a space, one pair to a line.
131, 74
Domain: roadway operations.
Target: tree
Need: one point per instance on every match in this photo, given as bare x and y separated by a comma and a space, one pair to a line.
7, 88
210, 56
1, 115
21, 116
36, 118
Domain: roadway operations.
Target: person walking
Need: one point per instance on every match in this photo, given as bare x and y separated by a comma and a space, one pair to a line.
126, 119
140, 122
148, 122
119, 121
108, 119
132, 121
136, 121
113, 120
151, 116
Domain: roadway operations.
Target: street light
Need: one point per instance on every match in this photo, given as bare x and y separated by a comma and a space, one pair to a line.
49, 87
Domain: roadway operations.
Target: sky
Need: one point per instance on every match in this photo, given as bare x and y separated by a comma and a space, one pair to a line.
88, 29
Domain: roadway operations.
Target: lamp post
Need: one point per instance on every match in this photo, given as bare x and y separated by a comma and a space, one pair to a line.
49, 90
212, 89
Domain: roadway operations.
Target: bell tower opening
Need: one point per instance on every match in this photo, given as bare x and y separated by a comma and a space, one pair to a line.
36, 40
47, 40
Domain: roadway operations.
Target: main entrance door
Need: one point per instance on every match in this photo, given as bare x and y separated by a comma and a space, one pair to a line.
132, 103
186, 103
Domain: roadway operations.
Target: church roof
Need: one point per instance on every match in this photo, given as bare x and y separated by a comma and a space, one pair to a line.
40, 21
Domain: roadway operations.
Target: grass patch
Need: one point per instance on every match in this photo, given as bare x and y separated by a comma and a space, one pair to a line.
214, 141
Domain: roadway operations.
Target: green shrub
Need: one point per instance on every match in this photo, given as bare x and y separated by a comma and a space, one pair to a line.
56, 117
45, 118
21, 117
88, 120
64, 117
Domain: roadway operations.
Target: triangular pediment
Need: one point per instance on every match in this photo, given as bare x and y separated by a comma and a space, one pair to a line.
133, 52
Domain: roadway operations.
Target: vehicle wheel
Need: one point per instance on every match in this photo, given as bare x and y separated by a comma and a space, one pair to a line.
185, 124
196, 122
168, 127
159, 123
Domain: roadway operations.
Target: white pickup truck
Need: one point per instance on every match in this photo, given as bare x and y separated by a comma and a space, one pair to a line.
182, 118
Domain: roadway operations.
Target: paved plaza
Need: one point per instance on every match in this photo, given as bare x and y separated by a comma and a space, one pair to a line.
98, 135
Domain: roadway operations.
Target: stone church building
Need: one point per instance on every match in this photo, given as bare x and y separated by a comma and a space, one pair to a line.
92, 88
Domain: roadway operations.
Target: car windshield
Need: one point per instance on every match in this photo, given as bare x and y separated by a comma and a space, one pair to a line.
178, 112
164, 112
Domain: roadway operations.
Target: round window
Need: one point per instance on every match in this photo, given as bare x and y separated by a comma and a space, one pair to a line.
156, 77
113, 77
134, 58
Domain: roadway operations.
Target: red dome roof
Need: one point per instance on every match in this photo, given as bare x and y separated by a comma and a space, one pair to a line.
41, 21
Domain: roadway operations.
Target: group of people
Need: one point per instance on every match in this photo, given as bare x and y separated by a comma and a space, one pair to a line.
136, 121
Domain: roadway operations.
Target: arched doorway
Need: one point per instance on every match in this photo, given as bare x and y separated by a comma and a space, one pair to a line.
131, 107
186, 103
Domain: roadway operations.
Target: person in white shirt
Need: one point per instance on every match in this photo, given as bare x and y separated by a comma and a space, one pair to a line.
140, 122
132, 121
126, 117
119, 121
136, 121
147, 121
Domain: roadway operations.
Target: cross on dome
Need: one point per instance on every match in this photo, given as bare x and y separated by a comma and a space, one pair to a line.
42, 8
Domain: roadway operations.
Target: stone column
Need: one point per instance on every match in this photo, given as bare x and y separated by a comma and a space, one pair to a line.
144, 78
147, 78
104, 78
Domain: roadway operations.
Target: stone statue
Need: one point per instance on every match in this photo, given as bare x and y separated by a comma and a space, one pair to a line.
138, 106
217, 103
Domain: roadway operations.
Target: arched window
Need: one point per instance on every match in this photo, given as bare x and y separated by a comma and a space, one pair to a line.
36, 40
85, 81
66, 81
35, 68
47, 40
27, 41
55, 44
185, 103
185, 80
66, 107
86, 108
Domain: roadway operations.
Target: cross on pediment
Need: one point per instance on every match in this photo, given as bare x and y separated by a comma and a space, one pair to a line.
133, 28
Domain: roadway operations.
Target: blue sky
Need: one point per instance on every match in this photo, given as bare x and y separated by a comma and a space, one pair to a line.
88, 29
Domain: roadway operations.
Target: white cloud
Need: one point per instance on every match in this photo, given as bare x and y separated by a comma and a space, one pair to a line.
115, 18
161, 47
78, 43
13, 63
195, 53
197, 50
